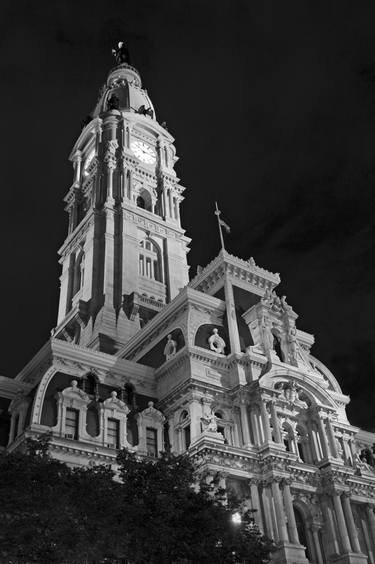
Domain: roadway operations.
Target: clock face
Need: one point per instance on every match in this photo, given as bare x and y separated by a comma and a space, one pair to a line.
144, 152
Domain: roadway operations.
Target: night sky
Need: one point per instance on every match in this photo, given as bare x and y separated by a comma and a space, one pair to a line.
272, 105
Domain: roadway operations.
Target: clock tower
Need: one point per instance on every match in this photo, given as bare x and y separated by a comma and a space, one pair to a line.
124, 257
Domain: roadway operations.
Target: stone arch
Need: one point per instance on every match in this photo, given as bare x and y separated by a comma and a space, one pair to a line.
307, 385
326, 373
150, 258
143, 199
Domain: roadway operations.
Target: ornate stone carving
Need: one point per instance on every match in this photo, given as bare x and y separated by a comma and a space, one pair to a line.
170, 348
267, 335
216, 343
110, 154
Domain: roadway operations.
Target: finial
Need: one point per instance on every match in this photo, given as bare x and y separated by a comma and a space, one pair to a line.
121, 54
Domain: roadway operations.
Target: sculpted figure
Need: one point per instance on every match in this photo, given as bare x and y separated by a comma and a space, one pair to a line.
286, 307
267, 334
292, 340
209, 422
267, 299
216, 343
121, 53
170, 348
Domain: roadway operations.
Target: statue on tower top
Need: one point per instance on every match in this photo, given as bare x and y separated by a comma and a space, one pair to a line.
121, 54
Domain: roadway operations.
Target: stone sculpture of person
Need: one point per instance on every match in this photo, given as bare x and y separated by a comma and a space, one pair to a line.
170, 348
209, 422
121, 53
292, 340
267, 334
216, 343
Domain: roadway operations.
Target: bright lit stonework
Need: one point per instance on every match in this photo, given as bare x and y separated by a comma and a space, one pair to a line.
144, 359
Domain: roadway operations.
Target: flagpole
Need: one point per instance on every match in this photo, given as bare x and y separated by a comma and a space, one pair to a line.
217, 213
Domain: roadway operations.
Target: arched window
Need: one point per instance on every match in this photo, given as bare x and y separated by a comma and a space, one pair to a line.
150, 260
288, 438
277, 346
143, 198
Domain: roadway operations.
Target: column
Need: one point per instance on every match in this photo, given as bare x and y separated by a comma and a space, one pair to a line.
255, 504
332, 544
165, 202
234, 336
371, 520
318, 551
343, 531
77, 167
237, 427
195, 419
265, 421
292, 525
353, 534
245, 424
255, 427
275, 424
332, 438
267, 512
281, 525
170, 203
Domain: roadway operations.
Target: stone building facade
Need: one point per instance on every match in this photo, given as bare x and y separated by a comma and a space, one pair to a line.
143, 358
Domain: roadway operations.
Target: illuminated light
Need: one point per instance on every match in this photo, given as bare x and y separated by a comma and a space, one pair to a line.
236, 518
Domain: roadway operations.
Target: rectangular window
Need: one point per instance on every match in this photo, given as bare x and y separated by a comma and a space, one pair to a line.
141, 265
113, 433
187, 436
151, 441
71, 423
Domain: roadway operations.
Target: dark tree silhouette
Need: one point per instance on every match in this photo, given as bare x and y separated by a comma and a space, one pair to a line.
150, 512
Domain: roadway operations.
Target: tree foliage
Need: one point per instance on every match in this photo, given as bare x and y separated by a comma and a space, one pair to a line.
151, 512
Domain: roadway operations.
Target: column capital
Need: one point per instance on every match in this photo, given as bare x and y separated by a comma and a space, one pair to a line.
286, 482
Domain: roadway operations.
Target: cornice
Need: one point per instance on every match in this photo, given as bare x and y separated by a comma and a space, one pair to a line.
60, 354
78, 233
186, 298
245, 271
153, 222
9, 387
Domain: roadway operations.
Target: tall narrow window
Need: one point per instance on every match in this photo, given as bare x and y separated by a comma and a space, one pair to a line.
150, 260
113, 433
71, 423
141, 265
151, 441
187, 436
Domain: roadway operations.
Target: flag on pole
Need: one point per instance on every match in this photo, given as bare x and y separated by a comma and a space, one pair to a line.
221, 223
225, 225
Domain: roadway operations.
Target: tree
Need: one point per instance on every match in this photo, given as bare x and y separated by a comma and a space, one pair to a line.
151, 511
